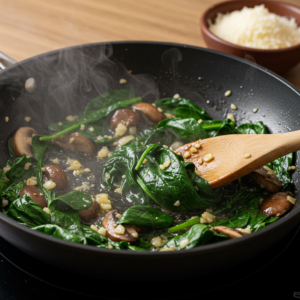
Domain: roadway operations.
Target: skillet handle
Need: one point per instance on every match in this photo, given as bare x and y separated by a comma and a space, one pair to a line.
5, 61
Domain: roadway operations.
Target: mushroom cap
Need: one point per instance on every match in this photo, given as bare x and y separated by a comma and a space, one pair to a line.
230, 232
35, 194
57, 175
265, 177
125, 116
276, 205
150, 111
21, 141
108, 223
91, 213
80, 143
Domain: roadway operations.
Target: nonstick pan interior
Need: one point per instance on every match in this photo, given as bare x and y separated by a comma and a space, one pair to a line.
68, 78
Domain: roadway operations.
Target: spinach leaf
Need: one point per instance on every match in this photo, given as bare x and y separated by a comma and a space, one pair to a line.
39, 147
90, 117
197, 235
123, 162
145, 216
26, 211
3, 183
10, 148
219, 127
75, 199
143, 244
280, 167
170, 130
253, 128
59, 232
183, 108
107, 99
169, 185
61, 207
17, 171
248, 213
12, 192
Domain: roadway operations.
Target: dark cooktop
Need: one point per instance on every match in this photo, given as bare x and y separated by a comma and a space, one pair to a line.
273, 274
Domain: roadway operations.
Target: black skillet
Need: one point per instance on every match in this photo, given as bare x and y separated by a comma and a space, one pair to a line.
68, 78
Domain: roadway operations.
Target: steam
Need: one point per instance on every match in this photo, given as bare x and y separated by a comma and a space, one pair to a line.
68, 80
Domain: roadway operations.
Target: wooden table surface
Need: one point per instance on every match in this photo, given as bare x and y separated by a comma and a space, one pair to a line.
31, 27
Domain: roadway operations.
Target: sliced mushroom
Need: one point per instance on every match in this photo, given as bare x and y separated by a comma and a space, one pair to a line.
75, 142
150, 111
35, 194
124, 116
108, 223
91, 213
230, 232
57, 175
266, 178
21, 141
276, 205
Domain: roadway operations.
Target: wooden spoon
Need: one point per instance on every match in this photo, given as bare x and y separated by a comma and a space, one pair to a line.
229, 153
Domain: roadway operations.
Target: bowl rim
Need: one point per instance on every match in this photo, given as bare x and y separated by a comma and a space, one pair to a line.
291, 217
205, 29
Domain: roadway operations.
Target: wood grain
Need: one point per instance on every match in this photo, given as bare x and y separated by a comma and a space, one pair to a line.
31, 27
228, 151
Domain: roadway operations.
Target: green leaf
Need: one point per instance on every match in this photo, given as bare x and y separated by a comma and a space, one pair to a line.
197, 235
219, 127
61, 233
12, 192
123, 162
173, 183
10, 148
182, 108
107, 99
39, 147
253, 128
17, 171
26, 211
145, 216
3, 184
183, 130
90, 117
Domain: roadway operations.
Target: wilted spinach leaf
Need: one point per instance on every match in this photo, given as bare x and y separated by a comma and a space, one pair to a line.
27, 212
219, 127
17, 171
253, 128
39, 147
123, 162
106, 99
166, 186
198, 234
182, 108
145, 216
170, 130
12, 192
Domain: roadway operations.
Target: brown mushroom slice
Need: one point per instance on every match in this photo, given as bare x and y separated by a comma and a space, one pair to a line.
35, 194
91, 213
75, 142
230, 232
276, 205
124, 116
108, 223
266, 178
57, 175
150, 111
21, 141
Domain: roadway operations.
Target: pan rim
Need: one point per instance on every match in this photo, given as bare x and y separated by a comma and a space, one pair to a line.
201, 250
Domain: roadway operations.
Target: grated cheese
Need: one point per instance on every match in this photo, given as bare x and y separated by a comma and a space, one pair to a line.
256, 28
